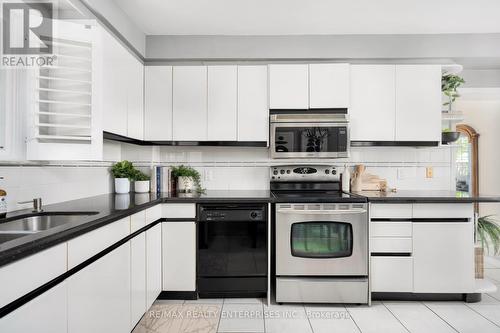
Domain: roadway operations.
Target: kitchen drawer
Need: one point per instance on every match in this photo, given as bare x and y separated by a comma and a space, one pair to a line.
25, 275
179, 211
443, 211
153, 214
390, 229
137, 221
390, 211
391, 274
91, 243
390, 245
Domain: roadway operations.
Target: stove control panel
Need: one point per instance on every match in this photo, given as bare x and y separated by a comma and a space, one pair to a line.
305, 173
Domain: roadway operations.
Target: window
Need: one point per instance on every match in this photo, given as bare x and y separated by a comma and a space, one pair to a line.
321, 239
463, 163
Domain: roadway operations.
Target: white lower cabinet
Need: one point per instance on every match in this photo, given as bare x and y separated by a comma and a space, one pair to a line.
443, 257
153, 263
179, 256
45, 314
137, 278
391, 274
99, 295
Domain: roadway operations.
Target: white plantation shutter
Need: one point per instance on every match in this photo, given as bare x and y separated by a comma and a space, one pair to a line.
65, 122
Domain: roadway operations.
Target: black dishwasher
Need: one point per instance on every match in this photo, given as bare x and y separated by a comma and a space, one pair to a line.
232, 250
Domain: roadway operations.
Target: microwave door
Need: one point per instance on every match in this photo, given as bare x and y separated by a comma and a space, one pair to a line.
296, 140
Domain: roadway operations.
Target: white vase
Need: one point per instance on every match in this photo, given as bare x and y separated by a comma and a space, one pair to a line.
185, 185
122, 185
141, 186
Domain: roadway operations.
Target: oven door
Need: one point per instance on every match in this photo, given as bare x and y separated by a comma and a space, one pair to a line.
321, 241
313, 139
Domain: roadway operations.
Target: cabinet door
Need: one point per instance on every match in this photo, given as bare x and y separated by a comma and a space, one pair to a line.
179, 272
222, 103
158, 103
114, 87
288, 86
418, 103
253, 109
135, 99
137, 278
373, 103
99, 295
443, 257
45, 314
190, 103
328, 86
153, 264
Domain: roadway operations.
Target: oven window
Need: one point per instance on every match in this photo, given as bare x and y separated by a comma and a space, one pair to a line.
321, 239
310, 139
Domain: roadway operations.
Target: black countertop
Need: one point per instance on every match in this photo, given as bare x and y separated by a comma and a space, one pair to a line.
405, 196
112, 207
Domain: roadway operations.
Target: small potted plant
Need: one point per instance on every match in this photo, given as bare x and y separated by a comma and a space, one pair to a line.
188, 179
141, 182
449, 85
449, 136
123, 172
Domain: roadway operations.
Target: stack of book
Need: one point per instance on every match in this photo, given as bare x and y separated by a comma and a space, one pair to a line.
161, 179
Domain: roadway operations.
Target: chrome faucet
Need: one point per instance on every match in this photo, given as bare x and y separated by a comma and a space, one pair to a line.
37, 204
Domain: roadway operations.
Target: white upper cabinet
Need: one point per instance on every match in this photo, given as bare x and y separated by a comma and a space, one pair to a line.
328, 86
158, 103
190, 103
253, 109
222, 103
135, 99
289, 86
373, 103
418, 103
114, 88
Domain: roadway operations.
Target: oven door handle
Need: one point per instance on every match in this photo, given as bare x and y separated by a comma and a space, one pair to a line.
322, 212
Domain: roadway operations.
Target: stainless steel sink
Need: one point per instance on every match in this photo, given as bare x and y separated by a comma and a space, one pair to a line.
37, 222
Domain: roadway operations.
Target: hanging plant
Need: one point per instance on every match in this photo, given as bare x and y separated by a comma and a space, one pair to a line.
488, 230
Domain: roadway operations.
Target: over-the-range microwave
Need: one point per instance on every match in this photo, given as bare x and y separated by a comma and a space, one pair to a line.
309, 135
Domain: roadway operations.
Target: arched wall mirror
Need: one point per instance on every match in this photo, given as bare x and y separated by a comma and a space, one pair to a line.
467, 161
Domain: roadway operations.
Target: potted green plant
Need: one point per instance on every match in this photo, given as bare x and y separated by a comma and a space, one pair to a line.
449, 85
449, 136
141, 182
123, 172
188, 179
488, 231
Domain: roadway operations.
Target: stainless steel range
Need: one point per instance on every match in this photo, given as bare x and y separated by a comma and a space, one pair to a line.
321, 237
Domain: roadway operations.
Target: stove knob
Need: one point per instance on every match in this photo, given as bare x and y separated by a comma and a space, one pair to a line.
334, 172
327, 171
275, 172
288, 172
282, 171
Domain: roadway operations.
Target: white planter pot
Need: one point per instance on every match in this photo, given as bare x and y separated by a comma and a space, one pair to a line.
185, 185
141, 186
122, 185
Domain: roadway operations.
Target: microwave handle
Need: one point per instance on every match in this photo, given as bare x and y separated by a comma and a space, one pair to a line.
322, 212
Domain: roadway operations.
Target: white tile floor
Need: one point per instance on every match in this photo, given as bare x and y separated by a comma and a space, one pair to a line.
254, 316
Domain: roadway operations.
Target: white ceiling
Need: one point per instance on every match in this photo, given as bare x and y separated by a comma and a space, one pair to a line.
304, 17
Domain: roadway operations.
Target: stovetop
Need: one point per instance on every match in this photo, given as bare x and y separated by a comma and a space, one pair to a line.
315, 196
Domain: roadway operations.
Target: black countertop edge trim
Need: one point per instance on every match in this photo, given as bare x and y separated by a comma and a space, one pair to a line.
356, 143
446, 220
12, 306
180, 295
126, 139
392, 254
211, 200
14, 254
431, 200
311, 110
182, 219
390, 220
